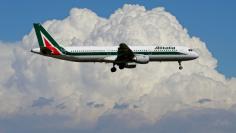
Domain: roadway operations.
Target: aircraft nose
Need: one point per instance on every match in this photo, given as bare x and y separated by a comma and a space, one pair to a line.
195, 55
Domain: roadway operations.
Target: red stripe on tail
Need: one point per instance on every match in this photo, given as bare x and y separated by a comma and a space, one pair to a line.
51, 47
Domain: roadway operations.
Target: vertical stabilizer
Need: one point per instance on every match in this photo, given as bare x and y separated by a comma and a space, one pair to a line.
46, 43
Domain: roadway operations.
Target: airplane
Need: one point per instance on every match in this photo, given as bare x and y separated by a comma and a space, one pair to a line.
123, 56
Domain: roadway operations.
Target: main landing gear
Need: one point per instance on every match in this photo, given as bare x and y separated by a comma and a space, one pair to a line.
121, 66
180, 66
113, 69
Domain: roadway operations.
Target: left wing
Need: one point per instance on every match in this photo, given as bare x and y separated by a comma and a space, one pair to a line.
124, 53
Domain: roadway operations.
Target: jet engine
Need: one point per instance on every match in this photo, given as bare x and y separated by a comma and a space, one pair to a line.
141, 59
130, 65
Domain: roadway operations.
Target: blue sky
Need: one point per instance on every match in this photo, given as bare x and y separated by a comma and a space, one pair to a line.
212, 21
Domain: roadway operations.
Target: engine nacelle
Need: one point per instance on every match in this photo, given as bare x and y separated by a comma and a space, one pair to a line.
141, 59
130, 65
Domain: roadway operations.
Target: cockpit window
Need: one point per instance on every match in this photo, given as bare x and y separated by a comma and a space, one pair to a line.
190, 50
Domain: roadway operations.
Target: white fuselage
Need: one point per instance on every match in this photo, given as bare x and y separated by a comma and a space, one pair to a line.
109, 54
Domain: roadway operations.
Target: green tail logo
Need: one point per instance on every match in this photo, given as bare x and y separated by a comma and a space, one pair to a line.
46, 43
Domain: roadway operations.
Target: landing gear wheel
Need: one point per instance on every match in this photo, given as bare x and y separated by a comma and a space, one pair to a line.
180, 66
121, 66
113, 69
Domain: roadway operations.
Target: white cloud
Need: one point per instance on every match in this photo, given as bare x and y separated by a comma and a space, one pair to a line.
150, 91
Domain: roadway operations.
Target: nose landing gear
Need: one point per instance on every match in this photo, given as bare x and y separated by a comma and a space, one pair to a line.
180, 66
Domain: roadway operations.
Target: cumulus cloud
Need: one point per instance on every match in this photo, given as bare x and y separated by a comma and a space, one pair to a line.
86, 93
